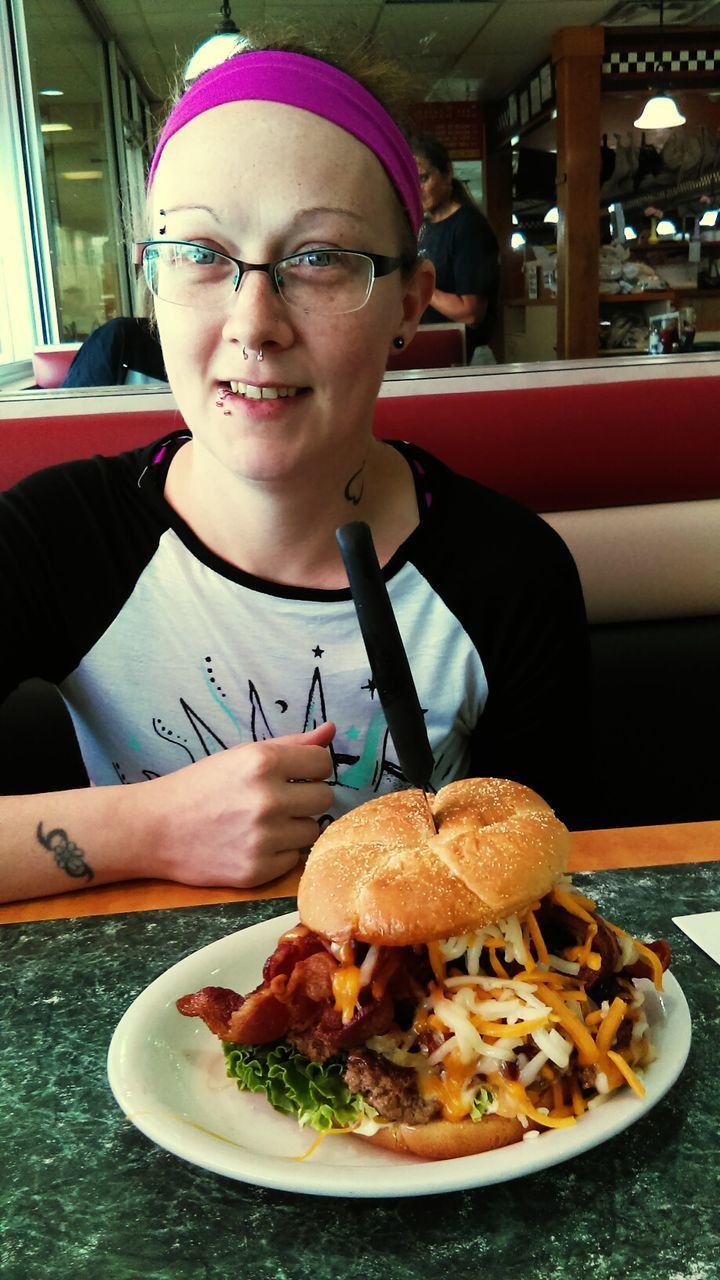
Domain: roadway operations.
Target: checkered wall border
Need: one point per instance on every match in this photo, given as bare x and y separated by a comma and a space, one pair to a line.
643, 62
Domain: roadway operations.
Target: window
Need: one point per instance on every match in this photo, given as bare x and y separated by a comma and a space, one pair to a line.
70, 100
20, 319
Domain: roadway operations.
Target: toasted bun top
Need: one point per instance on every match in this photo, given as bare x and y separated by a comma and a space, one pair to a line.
381, 874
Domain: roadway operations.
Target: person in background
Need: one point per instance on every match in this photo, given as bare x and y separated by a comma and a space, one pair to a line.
123, 350
458, 239
189, 598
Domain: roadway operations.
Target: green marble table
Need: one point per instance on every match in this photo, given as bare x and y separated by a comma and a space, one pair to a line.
84, 1194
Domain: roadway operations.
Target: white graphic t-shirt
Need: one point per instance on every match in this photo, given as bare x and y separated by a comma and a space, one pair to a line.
164, 653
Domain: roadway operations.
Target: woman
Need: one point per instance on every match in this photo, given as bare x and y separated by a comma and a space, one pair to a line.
461, 244
202, 631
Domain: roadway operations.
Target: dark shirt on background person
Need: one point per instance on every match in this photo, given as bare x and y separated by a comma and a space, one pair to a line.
122, 350
458, 239
465, 253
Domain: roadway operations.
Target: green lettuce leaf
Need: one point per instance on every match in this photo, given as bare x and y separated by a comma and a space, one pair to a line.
482, 1101
315, 1093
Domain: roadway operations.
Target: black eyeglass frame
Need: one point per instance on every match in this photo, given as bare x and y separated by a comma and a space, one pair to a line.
381, 265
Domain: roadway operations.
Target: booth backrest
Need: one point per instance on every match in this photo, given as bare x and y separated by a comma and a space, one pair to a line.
27, 444
556, 440
51, 363
565, 448
434, 346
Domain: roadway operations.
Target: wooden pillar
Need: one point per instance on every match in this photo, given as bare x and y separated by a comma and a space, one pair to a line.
577, 55
499, 208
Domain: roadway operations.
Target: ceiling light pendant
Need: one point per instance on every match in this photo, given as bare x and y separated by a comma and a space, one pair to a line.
224, 41
660, 110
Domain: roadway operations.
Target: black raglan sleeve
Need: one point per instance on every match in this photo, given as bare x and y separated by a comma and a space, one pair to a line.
73, 540
513, 585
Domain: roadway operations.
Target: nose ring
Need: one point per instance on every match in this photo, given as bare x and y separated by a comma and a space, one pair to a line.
258, 354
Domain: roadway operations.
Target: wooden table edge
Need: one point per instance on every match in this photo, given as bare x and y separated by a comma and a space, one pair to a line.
606, 850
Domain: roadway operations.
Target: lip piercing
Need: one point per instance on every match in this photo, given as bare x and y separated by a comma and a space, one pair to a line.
258, 354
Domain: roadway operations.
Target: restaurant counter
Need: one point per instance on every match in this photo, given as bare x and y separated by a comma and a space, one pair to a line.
86, 1194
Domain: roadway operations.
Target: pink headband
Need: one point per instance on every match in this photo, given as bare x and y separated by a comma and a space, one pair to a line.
302, 81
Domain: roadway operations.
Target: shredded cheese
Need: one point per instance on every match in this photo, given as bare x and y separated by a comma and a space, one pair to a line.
452, 1088
647, 953
626, 1070
654, 961
324, 1133
578, 1032
437, 960
538, 940
540, 1117
501, 1029
609, 1026
474, 1026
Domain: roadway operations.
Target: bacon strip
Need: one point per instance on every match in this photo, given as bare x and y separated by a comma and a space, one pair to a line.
215, 1005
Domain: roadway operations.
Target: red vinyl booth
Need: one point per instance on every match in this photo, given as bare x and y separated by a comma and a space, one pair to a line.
435, 346
51, 363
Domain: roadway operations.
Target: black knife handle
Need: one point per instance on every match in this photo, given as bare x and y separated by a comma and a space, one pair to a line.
386, 653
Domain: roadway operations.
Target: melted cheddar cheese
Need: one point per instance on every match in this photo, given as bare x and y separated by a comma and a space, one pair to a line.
346, 990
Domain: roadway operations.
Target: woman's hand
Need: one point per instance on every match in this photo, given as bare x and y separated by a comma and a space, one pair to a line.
240, 817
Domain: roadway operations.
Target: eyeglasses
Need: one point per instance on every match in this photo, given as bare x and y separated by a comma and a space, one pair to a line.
322, 281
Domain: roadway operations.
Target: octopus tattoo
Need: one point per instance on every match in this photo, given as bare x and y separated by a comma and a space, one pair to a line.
65, 852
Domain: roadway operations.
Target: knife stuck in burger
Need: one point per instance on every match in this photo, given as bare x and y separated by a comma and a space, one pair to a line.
447, 991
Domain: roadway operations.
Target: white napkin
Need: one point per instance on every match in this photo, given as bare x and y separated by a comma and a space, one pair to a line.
704, 930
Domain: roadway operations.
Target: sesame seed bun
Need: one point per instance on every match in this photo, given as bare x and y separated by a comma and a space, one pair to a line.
382, 874
447, 1139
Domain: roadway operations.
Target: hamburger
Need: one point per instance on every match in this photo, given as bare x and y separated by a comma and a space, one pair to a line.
448, 990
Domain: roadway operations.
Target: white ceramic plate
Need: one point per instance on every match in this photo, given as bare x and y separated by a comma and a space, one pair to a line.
168, 1075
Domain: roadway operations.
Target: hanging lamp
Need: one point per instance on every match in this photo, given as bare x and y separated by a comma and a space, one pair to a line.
660, 110
224, 41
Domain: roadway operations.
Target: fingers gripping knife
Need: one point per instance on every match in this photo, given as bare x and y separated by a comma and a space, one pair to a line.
386, 653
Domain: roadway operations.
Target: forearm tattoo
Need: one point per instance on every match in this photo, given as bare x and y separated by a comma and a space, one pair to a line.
65, 852
355, 486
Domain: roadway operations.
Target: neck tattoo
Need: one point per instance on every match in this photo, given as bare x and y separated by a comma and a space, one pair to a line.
355, 486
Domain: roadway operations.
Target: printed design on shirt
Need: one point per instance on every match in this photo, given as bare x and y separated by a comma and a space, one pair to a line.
369, 768
215, 664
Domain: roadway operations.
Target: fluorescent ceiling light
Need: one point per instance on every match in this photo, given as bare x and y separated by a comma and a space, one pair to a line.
56, 128
82, 175
52, 93
709, 218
